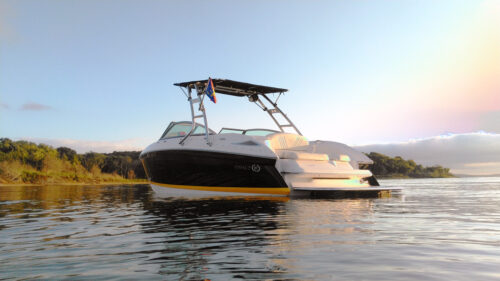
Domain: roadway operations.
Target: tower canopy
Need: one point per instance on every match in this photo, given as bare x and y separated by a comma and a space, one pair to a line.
233, 88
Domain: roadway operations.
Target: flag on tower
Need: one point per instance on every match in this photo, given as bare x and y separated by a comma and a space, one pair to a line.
210, 91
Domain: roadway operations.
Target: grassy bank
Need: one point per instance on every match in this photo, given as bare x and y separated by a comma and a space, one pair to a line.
15, 172
24, 162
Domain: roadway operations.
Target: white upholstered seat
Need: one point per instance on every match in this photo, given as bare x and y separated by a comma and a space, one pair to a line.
299, 155
286, 141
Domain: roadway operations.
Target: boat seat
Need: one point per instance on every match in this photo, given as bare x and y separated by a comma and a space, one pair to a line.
317, 169
278, 141
299, 155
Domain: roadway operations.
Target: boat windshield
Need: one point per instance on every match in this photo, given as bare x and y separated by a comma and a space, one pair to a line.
249, 132
231, 131
180, 129
259, 132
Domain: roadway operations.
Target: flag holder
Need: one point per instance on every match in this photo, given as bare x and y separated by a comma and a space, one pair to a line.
201, 110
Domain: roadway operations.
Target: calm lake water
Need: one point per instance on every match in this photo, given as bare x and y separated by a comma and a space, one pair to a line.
435, 229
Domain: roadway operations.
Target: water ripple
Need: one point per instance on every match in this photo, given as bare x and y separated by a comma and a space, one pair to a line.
433, 230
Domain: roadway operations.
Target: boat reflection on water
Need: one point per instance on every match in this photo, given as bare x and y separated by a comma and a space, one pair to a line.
211, 238
255, 238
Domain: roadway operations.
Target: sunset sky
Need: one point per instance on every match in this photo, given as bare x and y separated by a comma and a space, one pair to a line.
99, 74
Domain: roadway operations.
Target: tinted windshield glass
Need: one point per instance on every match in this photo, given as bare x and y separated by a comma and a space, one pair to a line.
181, 129
230, 131
249, 132
259, 132
199, 130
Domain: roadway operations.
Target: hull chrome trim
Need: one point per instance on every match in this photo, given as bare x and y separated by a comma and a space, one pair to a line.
284, 191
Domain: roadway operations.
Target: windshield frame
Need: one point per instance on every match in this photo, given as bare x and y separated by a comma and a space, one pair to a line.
189, 123
244, 132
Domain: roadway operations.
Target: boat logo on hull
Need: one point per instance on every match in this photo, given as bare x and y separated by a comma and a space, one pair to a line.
256, 168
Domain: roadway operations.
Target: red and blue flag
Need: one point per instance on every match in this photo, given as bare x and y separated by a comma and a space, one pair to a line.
210, 91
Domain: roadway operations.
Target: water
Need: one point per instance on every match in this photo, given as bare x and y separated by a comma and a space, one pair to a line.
436, 229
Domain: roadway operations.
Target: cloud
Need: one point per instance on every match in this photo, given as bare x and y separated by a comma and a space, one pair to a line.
483, 164
471, 153
33, 106
490, 121
83, 146
4, 106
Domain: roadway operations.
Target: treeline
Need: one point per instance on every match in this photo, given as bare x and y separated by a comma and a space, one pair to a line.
27, 162
397, 167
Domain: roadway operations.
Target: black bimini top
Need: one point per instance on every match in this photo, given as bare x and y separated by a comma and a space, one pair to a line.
233, 88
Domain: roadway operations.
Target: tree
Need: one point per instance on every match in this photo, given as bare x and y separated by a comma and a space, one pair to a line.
66, 153
384, 165
91, 159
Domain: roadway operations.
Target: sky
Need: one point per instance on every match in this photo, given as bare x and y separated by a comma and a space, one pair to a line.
98, 75
465, 154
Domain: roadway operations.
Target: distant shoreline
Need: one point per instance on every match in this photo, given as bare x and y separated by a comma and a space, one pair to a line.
75, 183
29, 164
405, 177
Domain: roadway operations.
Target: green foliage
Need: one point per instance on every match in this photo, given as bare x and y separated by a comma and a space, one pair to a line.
33, 177
26, 152
91, 159
386, 166
27, 162
66, 153
125, 163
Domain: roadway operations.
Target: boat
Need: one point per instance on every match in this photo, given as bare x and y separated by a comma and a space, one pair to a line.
190, 159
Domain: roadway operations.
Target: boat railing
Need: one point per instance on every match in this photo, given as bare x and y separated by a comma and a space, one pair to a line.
235, 88
201, 110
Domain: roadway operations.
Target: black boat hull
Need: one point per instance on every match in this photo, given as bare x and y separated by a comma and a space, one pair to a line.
213, 171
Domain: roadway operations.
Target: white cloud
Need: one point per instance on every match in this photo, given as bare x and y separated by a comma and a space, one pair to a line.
471, 153
490, 121
33, 106
483, 164
82, 146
